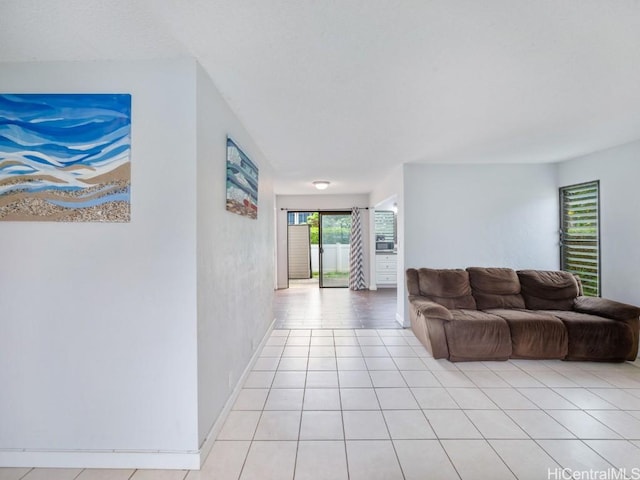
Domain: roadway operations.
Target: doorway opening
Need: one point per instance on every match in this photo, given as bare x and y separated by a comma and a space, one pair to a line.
318, 248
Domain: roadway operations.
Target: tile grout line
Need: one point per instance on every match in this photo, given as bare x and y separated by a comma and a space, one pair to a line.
28, 472
251, 442
393, 444
344, 432
571, 440
304, 394
386, 424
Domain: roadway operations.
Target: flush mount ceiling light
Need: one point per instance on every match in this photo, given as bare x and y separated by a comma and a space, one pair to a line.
321, 184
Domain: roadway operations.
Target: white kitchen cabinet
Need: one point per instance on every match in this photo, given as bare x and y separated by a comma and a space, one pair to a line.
386, 269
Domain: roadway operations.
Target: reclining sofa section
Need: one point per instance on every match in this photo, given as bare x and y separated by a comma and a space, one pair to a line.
498, 313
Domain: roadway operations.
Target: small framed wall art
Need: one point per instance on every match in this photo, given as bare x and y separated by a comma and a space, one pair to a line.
242, 182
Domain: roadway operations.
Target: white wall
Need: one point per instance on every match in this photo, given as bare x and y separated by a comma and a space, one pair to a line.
235, 259
121, 343
312, 203
456, 216
391, 186
98, 346
618, 170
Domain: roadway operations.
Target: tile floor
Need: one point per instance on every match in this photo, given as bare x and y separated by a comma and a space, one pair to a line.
372, 404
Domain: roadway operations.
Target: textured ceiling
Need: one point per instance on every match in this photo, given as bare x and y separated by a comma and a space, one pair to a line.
346, 90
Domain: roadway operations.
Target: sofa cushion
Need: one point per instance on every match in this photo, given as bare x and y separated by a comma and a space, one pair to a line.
595, 338
534, 334
495, 288
606, 308
475, 335
548, 290
448, 287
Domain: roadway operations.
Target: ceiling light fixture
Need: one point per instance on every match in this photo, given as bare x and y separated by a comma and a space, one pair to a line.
321, 184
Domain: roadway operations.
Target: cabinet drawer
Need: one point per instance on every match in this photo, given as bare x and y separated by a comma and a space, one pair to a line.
385, 258
386, 278
386, 267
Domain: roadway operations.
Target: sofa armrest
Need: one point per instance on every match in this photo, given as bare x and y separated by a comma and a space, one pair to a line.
428, 308
606, 308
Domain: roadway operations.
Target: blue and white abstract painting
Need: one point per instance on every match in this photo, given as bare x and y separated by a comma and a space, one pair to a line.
242, 182
65, 157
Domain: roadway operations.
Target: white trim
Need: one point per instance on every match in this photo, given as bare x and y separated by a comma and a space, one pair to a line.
400, 320
209, 440
153, 459
100, 459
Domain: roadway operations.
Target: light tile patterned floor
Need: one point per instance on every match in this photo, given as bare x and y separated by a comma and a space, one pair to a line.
371, 404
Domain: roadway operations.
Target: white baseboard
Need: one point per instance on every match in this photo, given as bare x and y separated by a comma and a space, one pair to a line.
162, 460
100, 459
207, 444
400, 320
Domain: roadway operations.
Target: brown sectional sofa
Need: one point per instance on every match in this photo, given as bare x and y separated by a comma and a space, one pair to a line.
498, 313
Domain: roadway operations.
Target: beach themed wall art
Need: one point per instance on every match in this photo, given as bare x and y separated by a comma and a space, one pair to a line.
65, 157
242, 182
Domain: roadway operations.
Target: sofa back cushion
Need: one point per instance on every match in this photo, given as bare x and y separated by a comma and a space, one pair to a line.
448, 287
495, 288
413, 288
548, 290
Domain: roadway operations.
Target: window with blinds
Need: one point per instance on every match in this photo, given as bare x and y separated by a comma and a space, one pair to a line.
580, 234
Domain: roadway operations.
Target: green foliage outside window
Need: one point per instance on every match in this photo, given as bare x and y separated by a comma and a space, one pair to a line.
313, 221
336, 229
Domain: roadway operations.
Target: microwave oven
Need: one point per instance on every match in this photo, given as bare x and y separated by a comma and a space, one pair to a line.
384, 246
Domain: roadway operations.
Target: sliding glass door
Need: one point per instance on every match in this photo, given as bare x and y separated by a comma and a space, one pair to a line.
334, 238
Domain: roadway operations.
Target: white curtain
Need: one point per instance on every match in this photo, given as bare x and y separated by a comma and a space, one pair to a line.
356, 255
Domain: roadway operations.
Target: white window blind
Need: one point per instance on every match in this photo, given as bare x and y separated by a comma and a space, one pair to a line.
580, 234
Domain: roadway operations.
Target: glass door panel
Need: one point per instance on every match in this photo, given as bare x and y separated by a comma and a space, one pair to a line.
335, 232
